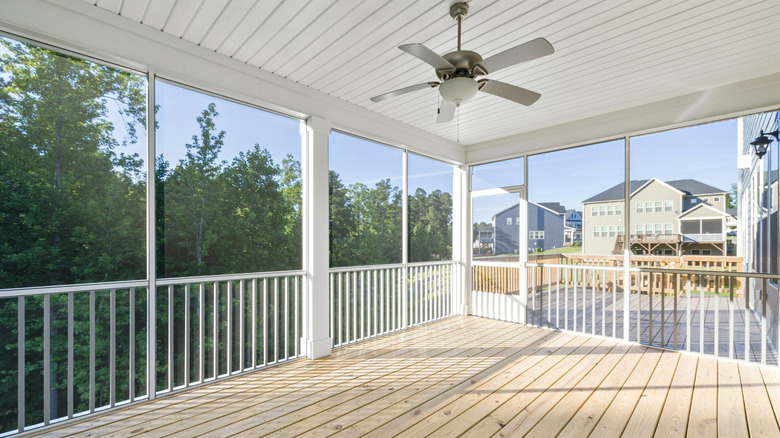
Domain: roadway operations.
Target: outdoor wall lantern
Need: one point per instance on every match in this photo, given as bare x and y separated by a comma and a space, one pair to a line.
761, 143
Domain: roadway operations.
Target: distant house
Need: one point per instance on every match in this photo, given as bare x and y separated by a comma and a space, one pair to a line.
682, 217
572, 219
545, 229
483, 241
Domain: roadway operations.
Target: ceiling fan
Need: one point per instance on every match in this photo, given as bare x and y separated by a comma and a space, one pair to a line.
458, 71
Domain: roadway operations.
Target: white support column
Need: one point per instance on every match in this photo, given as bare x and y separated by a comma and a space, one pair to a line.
523, 246
627, 245
462, 237
523, 258
316, 198
151, 239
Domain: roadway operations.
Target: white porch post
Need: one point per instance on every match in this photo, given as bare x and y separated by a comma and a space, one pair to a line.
522, 241
461, 239
316, 327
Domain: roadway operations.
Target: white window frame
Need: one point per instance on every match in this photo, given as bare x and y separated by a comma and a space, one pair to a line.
612, 231
621, 230
659, 206
668, 205
640, 207
509, 221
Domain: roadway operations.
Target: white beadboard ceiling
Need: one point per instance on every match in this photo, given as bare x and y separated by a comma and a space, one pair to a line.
610, 54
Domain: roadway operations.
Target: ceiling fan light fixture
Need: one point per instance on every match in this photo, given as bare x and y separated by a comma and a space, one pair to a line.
458, 90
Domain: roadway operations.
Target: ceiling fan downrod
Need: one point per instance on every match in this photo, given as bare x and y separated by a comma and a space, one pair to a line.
458, 11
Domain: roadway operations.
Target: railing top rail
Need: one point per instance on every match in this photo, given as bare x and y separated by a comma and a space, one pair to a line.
498, 264
366, 267
583, 267
709, 272
440, 262
67, 288
389, 266
228, 277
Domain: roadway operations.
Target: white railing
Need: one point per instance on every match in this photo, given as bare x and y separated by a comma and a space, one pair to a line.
370, 301
206, 328
725, 314
714, 237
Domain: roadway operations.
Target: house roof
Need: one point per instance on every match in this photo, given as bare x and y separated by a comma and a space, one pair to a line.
707, 207
687, 186
554, 206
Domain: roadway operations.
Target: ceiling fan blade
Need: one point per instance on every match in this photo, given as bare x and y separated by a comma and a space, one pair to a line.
404, 90
522, 53
446, 112
427, 55
509, 92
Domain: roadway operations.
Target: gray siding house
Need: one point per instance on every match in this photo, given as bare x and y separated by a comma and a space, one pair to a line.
545, 229
681, 217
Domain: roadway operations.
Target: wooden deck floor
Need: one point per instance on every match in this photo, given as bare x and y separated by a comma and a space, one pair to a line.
470, 376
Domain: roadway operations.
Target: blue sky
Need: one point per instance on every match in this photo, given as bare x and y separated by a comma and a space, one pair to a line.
707, 153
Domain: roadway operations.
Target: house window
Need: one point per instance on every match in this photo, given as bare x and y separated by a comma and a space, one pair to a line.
610, 210
618, 209
536, 235
659, 229
612, 231
717, 199
540, 234
648, 207
602, 210
667, 205
658, 206
517, 220
667, 228
594, 211
509, 221
596, 232
640, 207
640, 229
620, 230
706, 252
648, 228
694, 201
695, 251
668, 252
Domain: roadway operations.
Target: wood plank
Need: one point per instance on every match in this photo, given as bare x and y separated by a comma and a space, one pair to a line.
614, 420
432, 377
704, 410
529, 415
772, 384
386, 408
761, 418
556, 417
674, 416
391, 405
588, 415
732, 419
501, 405
412, 415
291, 397
644, 420
291, 373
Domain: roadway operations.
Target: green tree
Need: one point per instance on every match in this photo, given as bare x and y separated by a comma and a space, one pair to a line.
71, 208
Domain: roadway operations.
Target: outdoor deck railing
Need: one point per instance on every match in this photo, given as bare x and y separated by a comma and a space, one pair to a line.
201, 329
719, 313
370, 301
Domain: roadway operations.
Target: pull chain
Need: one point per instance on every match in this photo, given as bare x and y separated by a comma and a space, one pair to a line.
458, 126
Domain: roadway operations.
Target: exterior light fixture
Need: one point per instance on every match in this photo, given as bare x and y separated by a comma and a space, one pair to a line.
762, 142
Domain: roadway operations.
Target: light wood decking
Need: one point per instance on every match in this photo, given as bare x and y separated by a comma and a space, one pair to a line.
470, 376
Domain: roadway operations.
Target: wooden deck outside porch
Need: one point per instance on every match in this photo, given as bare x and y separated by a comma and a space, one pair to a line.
469, 376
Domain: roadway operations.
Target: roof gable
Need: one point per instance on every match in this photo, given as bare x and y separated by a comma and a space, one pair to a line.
689, 187
702, 210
